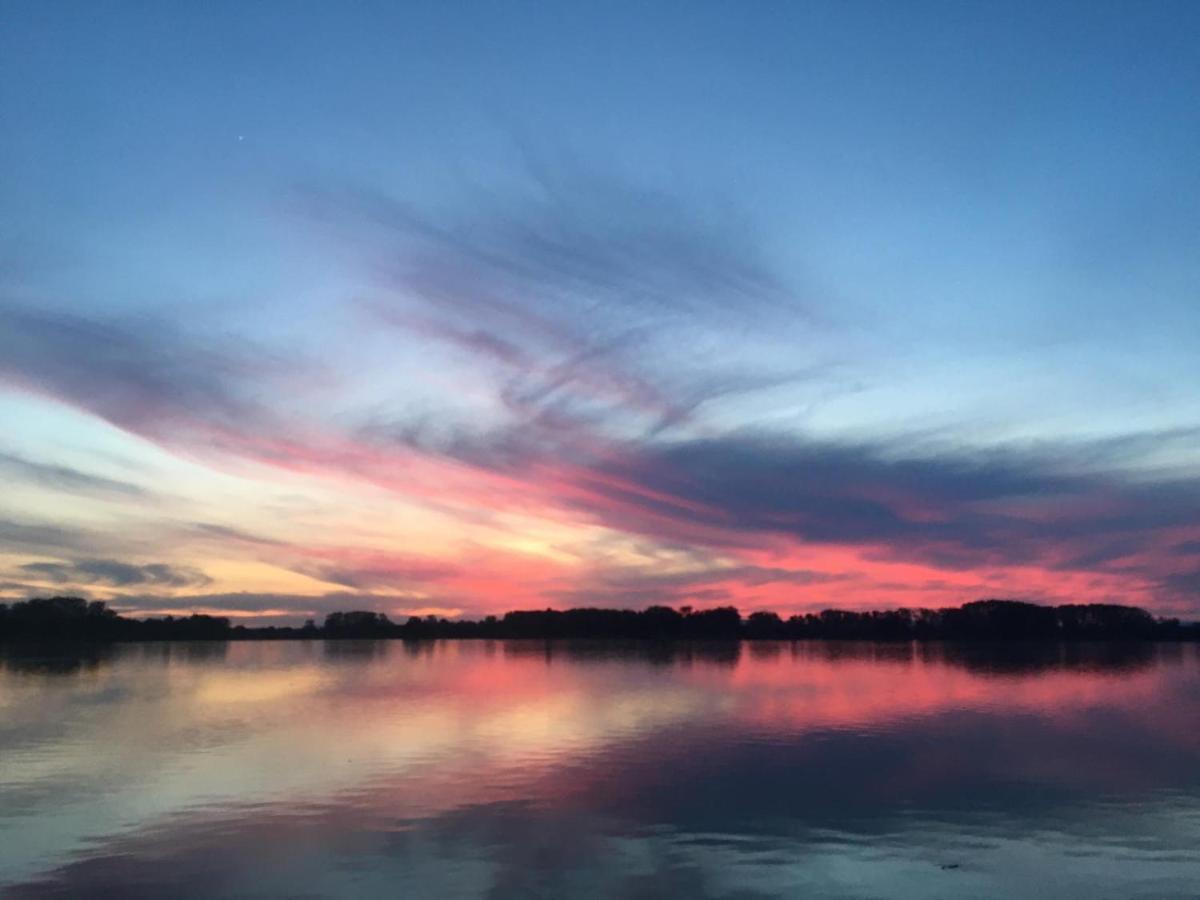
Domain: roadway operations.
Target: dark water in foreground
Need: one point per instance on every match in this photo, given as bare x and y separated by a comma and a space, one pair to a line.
472, 769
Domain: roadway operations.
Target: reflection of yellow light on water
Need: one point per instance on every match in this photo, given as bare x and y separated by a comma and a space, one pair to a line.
257, 687
550, 721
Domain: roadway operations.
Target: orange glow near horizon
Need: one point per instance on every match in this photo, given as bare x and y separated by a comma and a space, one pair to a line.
408, 533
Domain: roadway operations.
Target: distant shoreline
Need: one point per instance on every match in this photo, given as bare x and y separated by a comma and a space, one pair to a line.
73, 618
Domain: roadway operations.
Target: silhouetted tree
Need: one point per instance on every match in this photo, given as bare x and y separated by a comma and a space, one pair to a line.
992, 620
357, 623
765, 625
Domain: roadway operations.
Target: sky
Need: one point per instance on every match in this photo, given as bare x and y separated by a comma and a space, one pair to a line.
460, 308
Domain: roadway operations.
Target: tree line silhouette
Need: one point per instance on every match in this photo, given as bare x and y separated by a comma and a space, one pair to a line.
76, 618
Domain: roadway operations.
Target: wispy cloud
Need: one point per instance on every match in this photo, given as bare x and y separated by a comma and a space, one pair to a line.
114, 573
150, 377
41, 537
68, 479
371, 570
141, 374
604, 318
598, 305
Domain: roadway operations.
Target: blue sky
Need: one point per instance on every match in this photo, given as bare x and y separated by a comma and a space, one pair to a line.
428, 271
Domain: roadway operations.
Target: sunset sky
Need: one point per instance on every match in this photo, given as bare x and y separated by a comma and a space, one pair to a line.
456, 308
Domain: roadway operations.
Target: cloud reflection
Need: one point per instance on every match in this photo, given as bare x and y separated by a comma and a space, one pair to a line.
408, 762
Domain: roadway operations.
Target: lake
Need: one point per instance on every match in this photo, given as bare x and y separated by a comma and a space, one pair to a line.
600, 770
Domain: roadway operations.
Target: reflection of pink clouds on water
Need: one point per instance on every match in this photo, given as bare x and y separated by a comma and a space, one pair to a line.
804, 690
281, 764
807, 685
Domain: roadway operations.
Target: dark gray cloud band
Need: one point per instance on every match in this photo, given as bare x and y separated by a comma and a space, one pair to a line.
114, 573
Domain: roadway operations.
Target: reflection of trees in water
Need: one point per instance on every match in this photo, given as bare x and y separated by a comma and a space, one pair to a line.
765, 651
177, 651
988, 657
997, 658
75, 657
660, 653
820, 650
55, 658
979, 657
1021, 657
352, 650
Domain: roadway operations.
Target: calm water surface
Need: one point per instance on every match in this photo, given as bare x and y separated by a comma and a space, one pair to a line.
480, 769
